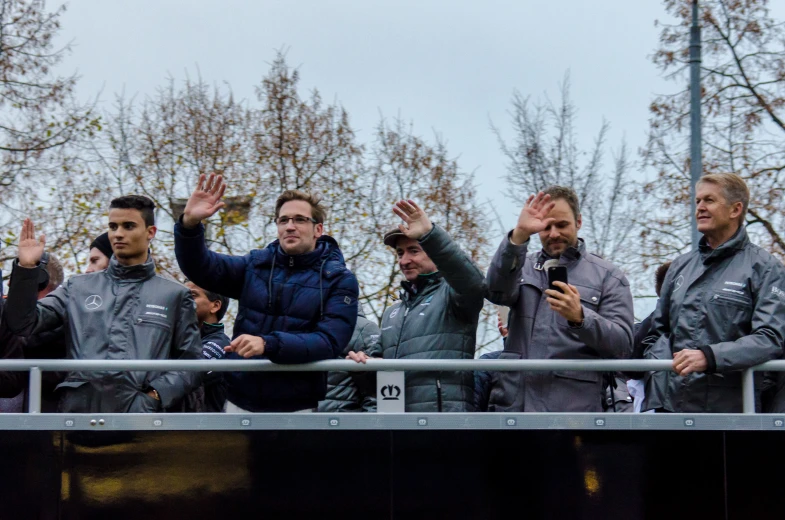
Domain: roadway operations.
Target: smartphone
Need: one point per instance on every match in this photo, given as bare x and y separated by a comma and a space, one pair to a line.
557, 273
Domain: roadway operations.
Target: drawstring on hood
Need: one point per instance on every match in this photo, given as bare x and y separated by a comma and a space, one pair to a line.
270, 285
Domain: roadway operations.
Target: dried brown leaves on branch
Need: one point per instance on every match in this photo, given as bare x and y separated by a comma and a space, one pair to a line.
285, 140
743, 109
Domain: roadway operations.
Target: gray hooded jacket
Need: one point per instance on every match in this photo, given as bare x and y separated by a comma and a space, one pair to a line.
537, 332
354, 391
120, 313
437, 319
729, 303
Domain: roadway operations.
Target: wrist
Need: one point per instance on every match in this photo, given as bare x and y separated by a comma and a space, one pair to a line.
26, 265
518, 237
188, 222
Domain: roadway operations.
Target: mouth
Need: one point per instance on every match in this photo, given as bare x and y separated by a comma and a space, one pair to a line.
119, 244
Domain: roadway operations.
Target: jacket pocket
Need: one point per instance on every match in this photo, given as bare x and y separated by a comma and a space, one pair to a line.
729, 310
143, 403
733, 301
579, 375
590, 296
150, 322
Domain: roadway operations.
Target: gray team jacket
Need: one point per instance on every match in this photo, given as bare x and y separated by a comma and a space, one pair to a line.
536, 332
729, 303
438, 320
119, 313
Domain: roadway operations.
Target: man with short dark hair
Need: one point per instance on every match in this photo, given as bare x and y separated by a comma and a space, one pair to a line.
722, 307
588, 318
124, 312
297, 299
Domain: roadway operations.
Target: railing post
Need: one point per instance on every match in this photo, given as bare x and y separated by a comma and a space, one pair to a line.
34, 391
748, 390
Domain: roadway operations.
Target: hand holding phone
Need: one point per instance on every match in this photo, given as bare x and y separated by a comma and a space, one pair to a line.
557, 273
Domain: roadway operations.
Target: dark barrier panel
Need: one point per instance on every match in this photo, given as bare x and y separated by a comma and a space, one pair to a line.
619, 475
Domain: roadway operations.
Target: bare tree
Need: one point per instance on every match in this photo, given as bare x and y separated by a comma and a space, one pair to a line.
545, 150
743, 109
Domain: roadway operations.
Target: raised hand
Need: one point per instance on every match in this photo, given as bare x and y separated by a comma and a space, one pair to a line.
205, 201
533, 217
416, 221
30, 249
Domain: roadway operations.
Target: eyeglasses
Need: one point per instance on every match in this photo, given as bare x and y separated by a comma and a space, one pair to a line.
299, 220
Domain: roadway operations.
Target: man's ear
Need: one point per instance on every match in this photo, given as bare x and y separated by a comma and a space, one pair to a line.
215, 307
318, 230
578, 222
736, 209
151, 231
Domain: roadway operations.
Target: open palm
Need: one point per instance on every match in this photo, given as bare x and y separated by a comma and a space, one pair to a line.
30, 248
205, 201
534, 215
417, 224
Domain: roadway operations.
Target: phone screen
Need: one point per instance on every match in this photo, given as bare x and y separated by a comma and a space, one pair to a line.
557, 273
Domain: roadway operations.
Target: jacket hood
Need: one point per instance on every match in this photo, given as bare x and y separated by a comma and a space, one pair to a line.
326, 252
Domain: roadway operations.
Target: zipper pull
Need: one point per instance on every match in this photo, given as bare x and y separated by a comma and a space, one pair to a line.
291, 261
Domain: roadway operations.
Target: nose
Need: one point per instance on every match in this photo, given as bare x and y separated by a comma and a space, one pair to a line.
404, 260
553, 233
290, 225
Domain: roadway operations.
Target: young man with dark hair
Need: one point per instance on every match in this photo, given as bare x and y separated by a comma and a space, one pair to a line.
124, 312
588, 318
99, 254
210, 310
297, 299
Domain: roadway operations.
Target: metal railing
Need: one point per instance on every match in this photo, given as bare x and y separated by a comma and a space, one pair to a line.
36, 366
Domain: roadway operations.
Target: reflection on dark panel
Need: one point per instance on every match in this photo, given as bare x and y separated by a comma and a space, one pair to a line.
382, 474
755, 462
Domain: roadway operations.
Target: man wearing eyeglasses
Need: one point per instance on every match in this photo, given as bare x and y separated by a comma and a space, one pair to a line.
297, 299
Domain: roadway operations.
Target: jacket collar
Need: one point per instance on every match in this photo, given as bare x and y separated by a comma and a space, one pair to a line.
737, 242
410, 290
570, 255
211, 328
131, 273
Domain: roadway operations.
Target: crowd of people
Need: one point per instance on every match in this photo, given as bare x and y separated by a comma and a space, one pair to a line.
721, 309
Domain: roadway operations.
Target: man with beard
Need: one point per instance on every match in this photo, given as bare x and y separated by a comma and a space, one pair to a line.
588, 318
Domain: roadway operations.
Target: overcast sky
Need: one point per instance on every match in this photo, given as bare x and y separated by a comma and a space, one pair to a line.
447, 65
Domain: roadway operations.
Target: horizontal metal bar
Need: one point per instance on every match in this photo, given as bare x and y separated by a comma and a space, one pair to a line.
374, 365
414, 365
408, 421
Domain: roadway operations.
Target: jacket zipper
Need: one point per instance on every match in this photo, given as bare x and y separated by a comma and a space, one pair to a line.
400, 333
439, 394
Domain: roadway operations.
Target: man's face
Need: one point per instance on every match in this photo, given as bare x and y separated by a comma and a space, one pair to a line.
563, 231
412, 259
97, 261
295, 238
712, 211
204, 307
128, 234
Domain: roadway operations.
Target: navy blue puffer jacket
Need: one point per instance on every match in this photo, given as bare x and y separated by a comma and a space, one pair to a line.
303, 306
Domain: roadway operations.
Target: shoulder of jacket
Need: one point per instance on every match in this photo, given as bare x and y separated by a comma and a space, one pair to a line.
606, 266
170, 283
